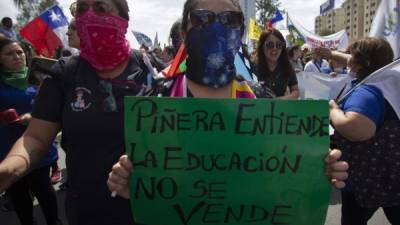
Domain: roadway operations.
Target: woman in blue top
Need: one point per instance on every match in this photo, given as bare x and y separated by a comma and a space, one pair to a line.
361, 123
15, 93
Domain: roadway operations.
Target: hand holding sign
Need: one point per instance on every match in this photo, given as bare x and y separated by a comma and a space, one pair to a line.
201, 161
118, 178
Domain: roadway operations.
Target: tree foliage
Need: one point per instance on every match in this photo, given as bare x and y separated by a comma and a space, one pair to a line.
266, 10
29, 9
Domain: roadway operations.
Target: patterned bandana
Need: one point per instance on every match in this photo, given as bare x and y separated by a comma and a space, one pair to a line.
211, 54
239, 89
103, 42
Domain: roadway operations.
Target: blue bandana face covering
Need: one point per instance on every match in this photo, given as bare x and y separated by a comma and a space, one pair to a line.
211, 54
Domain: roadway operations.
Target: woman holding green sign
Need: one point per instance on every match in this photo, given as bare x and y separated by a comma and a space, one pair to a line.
213, 30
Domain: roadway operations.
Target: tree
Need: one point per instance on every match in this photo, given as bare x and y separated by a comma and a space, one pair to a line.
29, 9
266, 10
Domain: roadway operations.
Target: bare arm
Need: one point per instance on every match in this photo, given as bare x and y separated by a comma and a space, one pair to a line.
339, 57
351, 125
294, 93
27, 151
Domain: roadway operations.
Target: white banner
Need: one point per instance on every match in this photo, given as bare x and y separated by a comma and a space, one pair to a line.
321, 86
338, 40
387, 24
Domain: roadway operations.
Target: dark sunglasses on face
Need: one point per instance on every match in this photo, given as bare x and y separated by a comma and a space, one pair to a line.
97, 7
278, 45
230, 19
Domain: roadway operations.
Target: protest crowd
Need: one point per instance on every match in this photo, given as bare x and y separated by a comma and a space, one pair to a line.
72, 95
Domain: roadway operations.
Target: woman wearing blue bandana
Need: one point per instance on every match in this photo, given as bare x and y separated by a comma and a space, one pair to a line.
15, 93
212, 31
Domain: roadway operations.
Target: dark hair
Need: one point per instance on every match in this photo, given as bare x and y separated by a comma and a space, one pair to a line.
6, 41
123, 8
190, 5
175, 37
6, 19
292, 49
283, 61
169, 50
371, 54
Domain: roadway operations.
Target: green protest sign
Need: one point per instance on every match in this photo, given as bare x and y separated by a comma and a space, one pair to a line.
233, 161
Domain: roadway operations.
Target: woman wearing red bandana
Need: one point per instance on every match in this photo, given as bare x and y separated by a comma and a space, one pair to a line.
85, 100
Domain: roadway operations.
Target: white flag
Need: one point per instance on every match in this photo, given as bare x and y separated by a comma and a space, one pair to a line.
386, 24
321, 86
388, 81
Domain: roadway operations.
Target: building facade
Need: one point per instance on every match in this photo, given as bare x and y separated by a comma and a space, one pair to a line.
330, 22
355, 16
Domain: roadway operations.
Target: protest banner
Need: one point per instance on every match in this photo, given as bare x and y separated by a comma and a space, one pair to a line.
300, 34
231, 161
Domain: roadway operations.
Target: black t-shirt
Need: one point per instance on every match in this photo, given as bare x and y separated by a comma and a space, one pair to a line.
277, 82
92, 137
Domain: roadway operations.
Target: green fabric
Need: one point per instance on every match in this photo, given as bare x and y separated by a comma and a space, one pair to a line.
17, 79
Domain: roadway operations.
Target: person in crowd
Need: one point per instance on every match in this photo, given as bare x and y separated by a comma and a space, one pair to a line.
6, 28
175, 36
366, 130
274, 67
202, 80
85, 100
295, 54
72, 34
317, 65
336, 68
305, 50
16, 94
167, 55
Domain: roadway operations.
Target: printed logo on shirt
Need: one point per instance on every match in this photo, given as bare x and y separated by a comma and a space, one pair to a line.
81, 104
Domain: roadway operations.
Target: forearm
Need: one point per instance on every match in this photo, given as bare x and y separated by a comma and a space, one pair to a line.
339, 57
25, 153
293, 94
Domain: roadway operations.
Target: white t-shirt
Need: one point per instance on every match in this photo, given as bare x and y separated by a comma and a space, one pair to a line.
312, 67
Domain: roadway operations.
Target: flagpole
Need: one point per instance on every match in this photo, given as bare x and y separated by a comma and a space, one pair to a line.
341, 99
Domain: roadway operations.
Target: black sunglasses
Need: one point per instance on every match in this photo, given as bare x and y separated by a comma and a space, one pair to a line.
230, 19
278, 45
109, 103
98, 7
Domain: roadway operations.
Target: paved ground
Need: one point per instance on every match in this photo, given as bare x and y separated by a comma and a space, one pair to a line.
333, 217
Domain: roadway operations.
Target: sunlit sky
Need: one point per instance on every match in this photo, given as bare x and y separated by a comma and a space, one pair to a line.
151, 16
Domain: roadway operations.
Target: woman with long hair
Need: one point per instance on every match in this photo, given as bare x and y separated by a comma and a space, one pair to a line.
274, 67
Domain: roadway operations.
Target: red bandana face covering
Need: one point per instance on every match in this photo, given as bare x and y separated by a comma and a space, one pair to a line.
102, 40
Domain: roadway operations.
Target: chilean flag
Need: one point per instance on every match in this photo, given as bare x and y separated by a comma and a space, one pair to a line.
277, 17
47, 32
